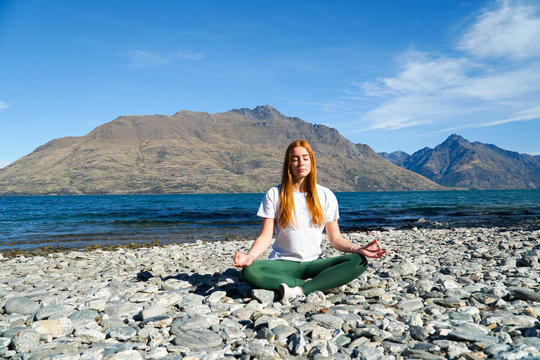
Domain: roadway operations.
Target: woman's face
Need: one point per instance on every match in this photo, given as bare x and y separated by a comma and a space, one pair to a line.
300, 163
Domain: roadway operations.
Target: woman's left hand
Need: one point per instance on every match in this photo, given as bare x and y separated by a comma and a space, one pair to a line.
372, 250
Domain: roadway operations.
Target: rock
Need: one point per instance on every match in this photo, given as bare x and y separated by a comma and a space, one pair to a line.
84, 318
157, 322
25, 340
193, 323
450, 302
122, 309
404, 268
21, 305
122, 333
259, 349
157, 353
263, 296
89, 336
127, 355
420, 354
50, 329
372, 293
471, 332
524, 294
328, 321
419, 333
153, 311
297, 344
215, 297
52, 311
198, 339
411, 305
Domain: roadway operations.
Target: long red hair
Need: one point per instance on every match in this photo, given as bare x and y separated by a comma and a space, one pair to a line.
286, 208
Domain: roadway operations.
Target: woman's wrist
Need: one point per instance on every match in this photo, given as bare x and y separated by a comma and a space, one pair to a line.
354, 248
251, 256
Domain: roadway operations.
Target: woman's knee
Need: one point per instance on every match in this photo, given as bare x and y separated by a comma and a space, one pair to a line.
360, 261
250, 272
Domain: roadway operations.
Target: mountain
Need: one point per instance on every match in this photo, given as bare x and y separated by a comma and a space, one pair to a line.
195, 152
396, 157
458, 163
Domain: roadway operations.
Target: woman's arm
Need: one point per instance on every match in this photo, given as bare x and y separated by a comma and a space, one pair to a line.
338, 242
259, 245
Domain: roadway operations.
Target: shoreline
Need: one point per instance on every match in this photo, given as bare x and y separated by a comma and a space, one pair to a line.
467, 293
504, 223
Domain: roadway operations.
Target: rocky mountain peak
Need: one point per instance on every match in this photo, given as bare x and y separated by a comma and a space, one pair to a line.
459, 163
262, 112
454, 140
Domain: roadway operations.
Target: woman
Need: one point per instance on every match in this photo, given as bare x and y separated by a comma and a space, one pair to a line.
300, 209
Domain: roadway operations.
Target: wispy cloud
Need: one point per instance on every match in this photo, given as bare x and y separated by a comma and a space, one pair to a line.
3, 164
495, 79
3, 105
509, 31
524, 115
145, 59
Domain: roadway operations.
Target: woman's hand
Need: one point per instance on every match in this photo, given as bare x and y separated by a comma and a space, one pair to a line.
242, 260
259, 246
372, 250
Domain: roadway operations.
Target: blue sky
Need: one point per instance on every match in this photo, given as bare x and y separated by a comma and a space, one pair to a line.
396, 75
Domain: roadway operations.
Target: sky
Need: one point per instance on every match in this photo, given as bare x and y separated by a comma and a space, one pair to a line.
392, 74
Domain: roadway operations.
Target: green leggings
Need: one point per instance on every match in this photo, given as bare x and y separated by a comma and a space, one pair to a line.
324, 273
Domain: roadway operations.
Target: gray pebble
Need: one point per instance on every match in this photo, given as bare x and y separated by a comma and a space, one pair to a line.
21, 305
25, 340
198, 339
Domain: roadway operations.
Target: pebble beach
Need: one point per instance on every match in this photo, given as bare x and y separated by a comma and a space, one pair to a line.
459, 293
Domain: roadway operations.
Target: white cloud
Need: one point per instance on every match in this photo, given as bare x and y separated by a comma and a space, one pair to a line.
503, 85
524, 115
420, 75
463, 91
145, 59
3, 164
509, 31
3, 105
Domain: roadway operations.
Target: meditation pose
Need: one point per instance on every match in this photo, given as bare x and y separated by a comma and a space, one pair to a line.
299, 209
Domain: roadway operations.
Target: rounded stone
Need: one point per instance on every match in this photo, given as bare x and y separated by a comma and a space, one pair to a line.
127, 355
21, 305
198, 339
328, 321
52, 312
53, 328
193, 323
25, 340
84, 318
122, 333
419, 333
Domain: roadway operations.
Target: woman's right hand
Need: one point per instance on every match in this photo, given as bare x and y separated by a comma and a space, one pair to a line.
242, 260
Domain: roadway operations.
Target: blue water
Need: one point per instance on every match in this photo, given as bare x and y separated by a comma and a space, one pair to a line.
28, 222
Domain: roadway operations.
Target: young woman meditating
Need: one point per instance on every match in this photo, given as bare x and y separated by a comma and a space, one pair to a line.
299, 209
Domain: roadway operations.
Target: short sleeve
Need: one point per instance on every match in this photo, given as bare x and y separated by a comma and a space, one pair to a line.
269, 204
331, 209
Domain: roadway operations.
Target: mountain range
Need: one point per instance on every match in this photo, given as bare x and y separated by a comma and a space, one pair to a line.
462, 164
240, 150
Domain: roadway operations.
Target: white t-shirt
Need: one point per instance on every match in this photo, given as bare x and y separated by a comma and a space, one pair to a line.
300, 241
